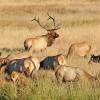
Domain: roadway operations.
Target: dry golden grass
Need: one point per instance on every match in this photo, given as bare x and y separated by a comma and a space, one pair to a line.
80, 21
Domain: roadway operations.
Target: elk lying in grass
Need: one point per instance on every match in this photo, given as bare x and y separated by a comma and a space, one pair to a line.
15, 56
41, 42
27, 66
81, 49
67, 73
52, 61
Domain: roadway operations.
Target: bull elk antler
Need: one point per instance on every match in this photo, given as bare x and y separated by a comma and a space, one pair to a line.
44, 27
38, 21
53, 19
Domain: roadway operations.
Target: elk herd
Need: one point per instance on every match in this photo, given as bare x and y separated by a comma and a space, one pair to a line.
25, 63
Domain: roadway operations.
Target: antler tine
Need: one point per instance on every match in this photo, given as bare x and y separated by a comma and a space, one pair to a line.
55, 27
37, 20
50, 17
34, 18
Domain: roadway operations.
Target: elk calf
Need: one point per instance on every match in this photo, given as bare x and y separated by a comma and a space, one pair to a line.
67, 73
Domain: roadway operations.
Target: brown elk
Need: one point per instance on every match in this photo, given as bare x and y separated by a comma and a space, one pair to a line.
81, 49
68, 73
41, 42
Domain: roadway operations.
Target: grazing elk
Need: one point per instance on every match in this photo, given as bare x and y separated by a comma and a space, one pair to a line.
95, 59
81, 49
67, 73
41, 42
52, 61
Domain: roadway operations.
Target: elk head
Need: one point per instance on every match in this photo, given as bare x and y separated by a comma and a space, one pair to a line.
51, 32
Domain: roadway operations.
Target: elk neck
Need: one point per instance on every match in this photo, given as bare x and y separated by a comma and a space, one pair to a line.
50, 39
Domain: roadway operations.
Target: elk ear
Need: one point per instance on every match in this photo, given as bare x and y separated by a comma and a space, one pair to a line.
61, 60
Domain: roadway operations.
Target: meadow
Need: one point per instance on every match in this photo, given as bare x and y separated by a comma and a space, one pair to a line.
79, 20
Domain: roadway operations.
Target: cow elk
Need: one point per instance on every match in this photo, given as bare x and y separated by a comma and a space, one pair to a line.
81, 49
16, 56
68, 73
52, 62
26, 66
40, 43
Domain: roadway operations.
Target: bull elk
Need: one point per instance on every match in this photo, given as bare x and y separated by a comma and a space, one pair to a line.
81, 49
41, 42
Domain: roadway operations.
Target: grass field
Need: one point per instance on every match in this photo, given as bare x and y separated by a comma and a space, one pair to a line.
80, 21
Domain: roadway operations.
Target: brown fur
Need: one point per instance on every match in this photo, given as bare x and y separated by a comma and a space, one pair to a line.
81, 49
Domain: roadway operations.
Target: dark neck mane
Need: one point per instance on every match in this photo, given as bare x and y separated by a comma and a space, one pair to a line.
50, 40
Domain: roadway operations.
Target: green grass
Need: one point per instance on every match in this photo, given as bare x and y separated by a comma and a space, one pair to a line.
47, 88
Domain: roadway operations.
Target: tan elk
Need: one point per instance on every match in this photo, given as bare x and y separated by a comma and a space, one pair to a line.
41, 42
15, 56
81, 49
68, 73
